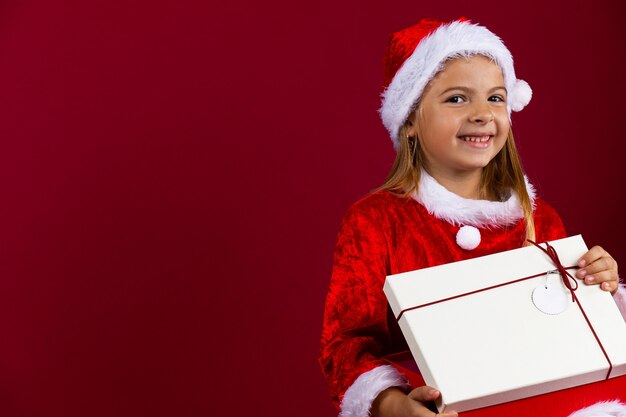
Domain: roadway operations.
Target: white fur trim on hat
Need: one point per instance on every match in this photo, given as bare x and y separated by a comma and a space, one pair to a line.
449, 40
602, 409
358, 399
459, 211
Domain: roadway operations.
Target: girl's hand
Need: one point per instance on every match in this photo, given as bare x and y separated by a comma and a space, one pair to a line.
598, 267
392, 402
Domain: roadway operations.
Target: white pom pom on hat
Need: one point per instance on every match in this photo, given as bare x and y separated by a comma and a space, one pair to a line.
416, 54
521, 95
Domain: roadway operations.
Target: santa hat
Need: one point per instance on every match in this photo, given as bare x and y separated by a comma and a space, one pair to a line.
416, 54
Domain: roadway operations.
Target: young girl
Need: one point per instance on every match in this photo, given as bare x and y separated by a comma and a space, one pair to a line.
456, 191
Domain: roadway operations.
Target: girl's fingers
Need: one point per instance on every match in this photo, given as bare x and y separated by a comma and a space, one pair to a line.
424, 394
601, 277
610, 286
605, 263
591, 256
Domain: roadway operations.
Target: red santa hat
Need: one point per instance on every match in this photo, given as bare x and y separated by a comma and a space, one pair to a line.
416, 54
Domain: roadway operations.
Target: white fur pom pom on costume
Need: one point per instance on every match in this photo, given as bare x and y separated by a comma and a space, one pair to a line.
602, 409
468, 237
522, 93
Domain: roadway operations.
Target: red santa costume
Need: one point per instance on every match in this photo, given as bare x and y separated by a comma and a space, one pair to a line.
385, 234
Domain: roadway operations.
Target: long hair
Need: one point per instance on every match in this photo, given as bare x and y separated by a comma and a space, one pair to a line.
503, 173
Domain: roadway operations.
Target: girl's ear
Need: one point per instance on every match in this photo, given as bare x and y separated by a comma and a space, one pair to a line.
411, 127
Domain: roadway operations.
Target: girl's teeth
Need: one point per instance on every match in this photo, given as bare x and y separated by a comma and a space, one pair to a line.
476, 138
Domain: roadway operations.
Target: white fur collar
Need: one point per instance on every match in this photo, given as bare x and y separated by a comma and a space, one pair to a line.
457, 210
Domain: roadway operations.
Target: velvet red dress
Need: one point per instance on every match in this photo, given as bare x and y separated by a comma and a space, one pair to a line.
384, 234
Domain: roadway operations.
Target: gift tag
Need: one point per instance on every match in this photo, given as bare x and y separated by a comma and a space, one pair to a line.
550, 298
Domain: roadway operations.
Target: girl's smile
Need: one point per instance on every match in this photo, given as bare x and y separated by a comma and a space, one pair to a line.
478, 140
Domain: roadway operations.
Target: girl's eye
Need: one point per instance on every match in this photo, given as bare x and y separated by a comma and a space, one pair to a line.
455, 99
497, 99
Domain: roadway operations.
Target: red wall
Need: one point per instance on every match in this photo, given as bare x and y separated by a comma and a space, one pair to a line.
173, 174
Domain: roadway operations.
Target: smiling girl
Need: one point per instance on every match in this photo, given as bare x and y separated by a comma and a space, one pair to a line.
456, 191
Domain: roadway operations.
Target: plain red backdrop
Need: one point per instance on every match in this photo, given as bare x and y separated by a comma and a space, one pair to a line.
173, 175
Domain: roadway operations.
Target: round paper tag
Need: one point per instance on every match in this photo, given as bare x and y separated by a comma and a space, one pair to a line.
550, 299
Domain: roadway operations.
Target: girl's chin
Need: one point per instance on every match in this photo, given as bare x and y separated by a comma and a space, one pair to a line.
472, 166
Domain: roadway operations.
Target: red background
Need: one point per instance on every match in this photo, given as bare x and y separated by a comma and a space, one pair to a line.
173, 175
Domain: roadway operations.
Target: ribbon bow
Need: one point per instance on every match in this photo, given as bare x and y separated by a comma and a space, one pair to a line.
562, 270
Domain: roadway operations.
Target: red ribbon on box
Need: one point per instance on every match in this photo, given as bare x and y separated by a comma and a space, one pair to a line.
565, 276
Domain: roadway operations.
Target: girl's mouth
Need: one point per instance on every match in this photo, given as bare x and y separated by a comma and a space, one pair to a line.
477, 141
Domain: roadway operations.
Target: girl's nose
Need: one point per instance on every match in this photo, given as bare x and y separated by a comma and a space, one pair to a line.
482, 114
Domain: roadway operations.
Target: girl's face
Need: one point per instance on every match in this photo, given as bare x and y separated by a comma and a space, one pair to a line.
462, 121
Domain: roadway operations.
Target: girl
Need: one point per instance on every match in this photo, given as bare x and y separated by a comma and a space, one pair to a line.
456, 191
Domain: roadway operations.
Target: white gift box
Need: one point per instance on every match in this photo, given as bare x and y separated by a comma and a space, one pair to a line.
481, 339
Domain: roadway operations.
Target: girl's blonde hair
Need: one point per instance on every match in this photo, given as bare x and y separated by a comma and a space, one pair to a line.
503, 173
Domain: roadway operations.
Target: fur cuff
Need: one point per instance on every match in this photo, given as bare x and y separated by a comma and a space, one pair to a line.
620, 300
602, 409
358, 399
